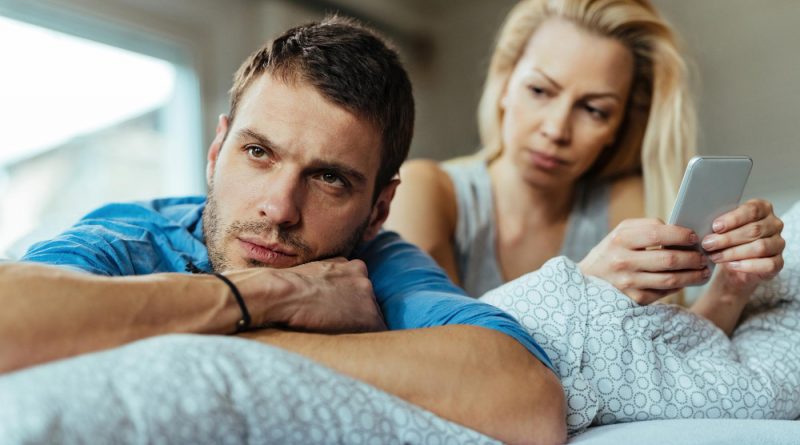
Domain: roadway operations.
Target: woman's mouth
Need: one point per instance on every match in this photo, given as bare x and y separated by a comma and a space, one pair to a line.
543, 161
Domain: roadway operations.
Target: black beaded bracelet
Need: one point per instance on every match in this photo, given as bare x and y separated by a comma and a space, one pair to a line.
244, 323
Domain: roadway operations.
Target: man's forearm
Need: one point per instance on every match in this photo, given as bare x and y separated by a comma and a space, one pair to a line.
473, 376
49, 312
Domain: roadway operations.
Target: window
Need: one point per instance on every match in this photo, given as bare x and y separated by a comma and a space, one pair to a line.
85, 123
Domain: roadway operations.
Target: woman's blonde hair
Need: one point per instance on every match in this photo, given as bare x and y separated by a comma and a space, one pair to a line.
657, 135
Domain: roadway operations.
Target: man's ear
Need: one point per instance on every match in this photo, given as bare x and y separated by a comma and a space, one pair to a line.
380, 211
216, 146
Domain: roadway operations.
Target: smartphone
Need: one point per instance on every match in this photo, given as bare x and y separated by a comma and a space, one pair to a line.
711, 187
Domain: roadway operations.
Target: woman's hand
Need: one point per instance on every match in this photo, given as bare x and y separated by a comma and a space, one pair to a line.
632, 258
747, 244
748, 247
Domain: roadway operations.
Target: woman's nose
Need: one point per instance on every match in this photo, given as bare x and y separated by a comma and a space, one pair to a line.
556, 125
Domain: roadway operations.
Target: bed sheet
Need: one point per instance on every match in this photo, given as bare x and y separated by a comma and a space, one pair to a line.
620, 362
191, 389
695, 432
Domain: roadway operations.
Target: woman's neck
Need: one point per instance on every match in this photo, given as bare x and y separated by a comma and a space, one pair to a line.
518, 200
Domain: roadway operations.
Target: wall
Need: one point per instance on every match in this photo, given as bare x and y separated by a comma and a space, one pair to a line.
745, 58
747, 63
746, 66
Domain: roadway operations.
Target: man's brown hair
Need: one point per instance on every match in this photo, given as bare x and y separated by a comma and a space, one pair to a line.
352, 67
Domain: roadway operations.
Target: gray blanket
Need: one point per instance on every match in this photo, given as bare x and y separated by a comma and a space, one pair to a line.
187, 389
621, 362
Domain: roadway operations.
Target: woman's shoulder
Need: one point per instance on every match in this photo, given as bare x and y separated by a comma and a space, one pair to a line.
428, 177
626, 199
425, 189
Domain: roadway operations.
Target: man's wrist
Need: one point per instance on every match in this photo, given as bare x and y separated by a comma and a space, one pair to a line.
266, 293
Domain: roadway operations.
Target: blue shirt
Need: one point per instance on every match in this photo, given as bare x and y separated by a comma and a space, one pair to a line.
165, 235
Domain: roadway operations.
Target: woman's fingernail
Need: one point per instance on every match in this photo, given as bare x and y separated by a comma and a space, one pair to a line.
693, 238
715, 257
717, 226
735, 265
706, 272
709, 242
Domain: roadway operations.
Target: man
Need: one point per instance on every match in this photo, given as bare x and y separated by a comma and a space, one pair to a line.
301, 176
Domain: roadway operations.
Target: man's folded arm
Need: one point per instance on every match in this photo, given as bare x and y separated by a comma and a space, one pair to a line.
477, 377
52, 312
468, 349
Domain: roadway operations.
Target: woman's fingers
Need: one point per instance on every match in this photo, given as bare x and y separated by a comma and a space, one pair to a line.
640, 234
750, 211
763, 267
759, 248
748, 233
661, 260
660, 280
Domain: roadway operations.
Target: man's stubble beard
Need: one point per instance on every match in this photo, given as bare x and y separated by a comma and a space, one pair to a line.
215, 237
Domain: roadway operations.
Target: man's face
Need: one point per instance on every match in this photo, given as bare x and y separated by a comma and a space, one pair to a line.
293, 181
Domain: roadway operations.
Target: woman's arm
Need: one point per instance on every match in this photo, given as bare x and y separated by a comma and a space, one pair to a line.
747, 245
424, 212
631, 256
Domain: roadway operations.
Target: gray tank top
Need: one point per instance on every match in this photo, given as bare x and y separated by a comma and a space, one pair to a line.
478, 268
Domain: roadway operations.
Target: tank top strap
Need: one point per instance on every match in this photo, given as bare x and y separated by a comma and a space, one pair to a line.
474, 237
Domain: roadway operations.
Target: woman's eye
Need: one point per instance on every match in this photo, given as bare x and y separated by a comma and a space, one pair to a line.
537, 91
596, 113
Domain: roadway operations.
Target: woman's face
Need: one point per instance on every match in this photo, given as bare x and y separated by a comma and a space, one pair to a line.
564, 102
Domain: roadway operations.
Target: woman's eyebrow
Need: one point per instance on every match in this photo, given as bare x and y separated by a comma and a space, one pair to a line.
589, 96
548, 78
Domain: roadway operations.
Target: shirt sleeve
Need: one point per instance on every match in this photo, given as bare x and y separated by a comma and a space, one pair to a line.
101, 244
414, 292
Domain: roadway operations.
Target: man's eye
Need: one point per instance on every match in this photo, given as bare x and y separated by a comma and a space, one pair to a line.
255, 151
332, 178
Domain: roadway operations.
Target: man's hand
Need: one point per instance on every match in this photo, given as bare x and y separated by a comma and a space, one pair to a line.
632, 259
330, 296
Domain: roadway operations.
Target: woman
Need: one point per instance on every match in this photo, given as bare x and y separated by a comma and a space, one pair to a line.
586, 124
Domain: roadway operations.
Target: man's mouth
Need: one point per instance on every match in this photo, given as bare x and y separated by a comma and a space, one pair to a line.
269, 254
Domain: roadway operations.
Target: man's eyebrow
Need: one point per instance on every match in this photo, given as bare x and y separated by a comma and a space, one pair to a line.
260, 138
610, 94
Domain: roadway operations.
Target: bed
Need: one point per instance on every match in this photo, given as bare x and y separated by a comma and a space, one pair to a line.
215, 389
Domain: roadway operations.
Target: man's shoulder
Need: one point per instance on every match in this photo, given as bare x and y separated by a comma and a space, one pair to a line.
387, 245
172, 209
131, 238
396, 266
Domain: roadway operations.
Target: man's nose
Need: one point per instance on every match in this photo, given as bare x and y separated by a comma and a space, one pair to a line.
283, 198
556, 126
